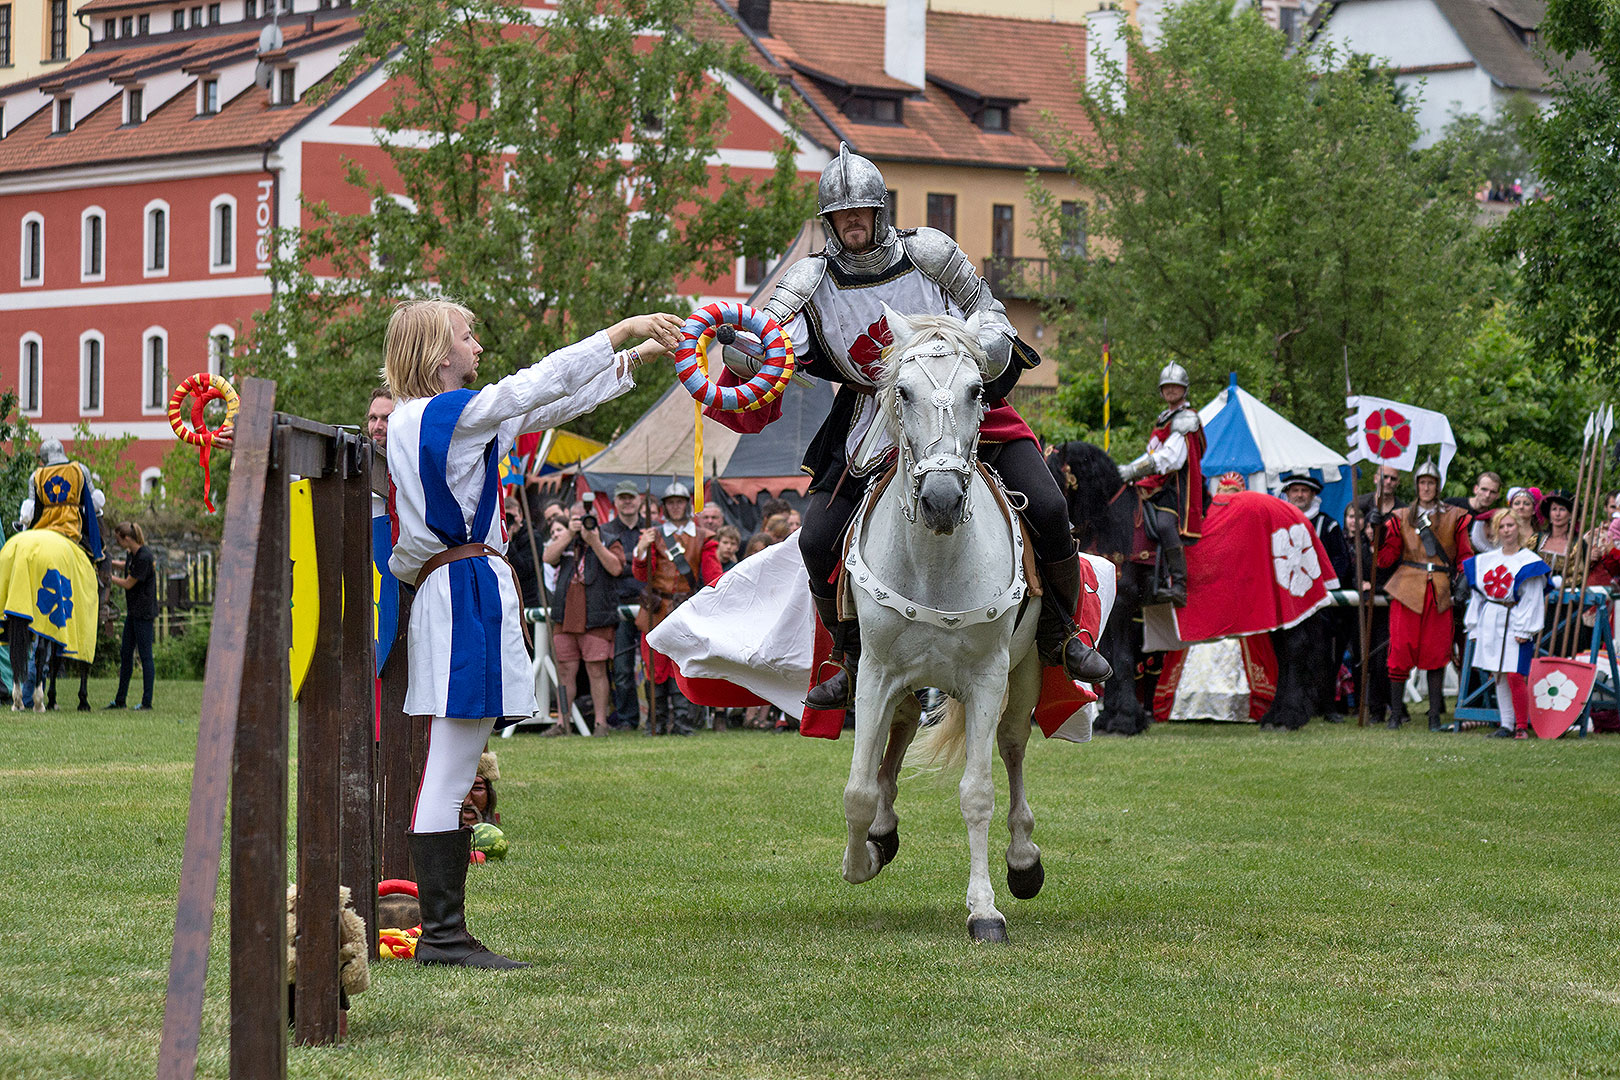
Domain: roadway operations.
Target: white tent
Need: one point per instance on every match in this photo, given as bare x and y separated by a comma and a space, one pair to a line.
1255, 440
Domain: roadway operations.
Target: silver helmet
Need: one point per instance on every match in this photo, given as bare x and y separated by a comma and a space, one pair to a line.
851, 181
1173, 375
51, 452
676, 490
1428, 468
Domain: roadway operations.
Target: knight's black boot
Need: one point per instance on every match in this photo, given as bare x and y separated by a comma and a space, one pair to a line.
1397, 704
837, 692
1437, 698
678, 710
441, 886
1057, 639
1175, 565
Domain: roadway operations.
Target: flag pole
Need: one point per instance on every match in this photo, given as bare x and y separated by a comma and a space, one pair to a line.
1108, 360
1551, 635
1363, 597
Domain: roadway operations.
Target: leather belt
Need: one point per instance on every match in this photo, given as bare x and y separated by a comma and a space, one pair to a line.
1428, 567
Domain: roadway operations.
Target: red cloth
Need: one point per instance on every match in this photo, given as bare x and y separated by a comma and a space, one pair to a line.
748, 423
1251, 572
1418, 641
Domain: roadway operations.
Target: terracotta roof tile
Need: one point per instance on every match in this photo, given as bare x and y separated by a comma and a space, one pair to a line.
1034, 61
247, 121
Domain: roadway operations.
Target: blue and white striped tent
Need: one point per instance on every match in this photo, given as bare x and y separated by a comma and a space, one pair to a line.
1253, 439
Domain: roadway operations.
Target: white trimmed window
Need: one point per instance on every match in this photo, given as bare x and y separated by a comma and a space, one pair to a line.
92, 372
151, 482
62, 116
93, 244
222, 234
155, 370
134, 105
33, 249
286, 86
381, 259
208, 96
30, 373
221, 340
157, 238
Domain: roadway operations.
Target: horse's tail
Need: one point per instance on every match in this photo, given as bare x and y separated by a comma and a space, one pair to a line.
944, 744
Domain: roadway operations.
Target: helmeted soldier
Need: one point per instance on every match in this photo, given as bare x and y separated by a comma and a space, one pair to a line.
1428, 541
830, 305
62, 497
1170, 477
675, 560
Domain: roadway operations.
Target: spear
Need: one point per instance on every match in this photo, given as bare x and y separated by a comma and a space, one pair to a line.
1549, 637
1363, 596
1580, 523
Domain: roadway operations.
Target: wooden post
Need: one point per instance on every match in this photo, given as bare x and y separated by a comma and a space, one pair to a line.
401, 763
320, 723
259, 799
357, 828
217, 731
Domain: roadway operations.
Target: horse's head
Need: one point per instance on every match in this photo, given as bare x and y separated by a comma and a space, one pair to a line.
1090, 482
932, 392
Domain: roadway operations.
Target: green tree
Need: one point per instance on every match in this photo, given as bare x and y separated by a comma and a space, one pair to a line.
20, 444
505, 141
1261, 212
1567, 246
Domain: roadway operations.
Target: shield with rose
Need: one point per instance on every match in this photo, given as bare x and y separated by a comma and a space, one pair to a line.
1559, 689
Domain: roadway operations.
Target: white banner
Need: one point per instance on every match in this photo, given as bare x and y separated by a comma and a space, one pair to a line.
1389, 433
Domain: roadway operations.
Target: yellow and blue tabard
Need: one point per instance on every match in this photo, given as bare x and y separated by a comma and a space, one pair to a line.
61, 496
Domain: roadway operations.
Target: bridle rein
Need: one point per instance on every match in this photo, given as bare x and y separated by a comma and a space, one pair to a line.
956, 460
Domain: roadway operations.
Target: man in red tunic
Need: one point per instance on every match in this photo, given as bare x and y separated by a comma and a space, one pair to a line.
1428, 541
1171, 480
675, 560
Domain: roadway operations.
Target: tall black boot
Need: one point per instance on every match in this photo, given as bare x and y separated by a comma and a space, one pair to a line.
1437, 697
678, 706
1057, 639
837, 692
1397, 703
1175, 565
441, 886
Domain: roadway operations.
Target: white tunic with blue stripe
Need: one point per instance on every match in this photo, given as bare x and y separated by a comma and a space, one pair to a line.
467, 658
1505, 603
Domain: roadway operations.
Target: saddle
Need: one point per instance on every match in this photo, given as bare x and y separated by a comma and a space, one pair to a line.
844, 587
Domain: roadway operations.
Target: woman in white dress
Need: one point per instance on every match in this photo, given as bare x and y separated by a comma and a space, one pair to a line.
1506, 610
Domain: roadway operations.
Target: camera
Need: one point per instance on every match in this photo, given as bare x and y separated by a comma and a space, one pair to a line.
588, 521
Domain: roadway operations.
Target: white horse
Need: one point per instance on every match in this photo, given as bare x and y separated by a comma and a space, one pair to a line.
937, 569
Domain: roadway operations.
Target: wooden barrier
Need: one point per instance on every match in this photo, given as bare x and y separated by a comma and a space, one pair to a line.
345, 812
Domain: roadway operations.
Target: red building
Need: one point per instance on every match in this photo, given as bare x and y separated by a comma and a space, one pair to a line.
139, 182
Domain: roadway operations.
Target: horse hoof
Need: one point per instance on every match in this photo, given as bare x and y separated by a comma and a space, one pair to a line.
991, 930
887, 845
1026, 883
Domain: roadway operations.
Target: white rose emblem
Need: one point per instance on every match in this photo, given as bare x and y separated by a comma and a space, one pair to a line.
1293, 557
1555, 692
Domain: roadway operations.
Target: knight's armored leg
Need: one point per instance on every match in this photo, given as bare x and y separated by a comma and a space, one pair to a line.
838, 691
1175, 559
1437, 697
1056, 636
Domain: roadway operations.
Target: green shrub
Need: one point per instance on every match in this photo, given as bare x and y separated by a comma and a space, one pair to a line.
184, 656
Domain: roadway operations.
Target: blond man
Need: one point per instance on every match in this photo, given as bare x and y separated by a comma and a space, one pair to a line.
468, 665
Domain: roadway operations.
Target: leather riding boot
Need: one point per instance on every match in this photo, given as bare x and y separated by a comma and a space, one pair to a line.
1397, 703
1057, 639
1175, 564
837, 692
441, 886
1437, 697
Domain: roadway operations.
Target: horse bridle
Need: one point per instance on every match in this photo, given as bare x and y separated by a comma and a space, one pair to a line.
956, 460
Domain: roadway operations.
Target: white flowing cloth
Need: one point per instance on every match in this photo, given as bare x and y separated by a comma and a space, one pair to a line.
755, 628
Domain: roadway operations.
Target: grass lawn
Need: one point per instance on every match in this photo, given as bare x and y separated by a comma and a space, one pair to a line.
1219, 903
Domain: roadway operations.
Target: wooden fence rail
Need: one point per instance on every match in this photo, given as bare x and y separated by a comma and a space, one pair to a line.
346, 812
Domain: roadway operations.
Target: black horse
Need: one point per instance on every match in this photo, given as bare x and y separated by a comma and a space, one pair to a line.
1104, 519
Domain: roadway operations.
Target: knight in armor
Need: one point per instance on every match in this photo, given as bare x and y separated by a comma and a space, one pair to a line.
830, 305
62, 496
1425, 542
1170, 480
674, 560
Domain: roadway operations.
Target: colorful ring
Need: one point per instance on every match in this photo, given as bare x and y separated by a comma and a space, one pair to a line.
203, 388
691, 361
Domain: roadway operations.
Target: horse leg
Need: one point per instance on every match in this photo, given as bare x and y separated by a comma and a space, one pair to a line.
1024, 872
885, 830
978, 797
876, 695
84, 685
19, 638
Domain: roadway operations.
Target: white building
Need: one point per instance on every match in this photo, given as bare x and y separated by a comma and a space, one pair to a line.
1455, 57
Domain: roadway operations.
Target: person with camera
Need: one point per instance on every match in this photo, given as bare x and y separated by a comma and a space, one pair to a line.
675, 561
625, 530
584, 608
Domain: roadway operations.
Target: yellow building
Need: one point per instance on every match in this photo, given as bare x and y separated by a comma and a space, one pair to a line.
955, 100
38, 36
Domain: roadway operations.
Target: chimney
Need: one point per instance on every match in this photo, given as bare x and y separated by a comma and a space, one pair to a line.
757, 15
1105, 42
905, 41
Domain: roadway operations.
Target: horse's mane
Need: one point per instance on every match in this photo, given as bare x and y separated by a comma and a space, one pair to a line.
946, 328
1092, 507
